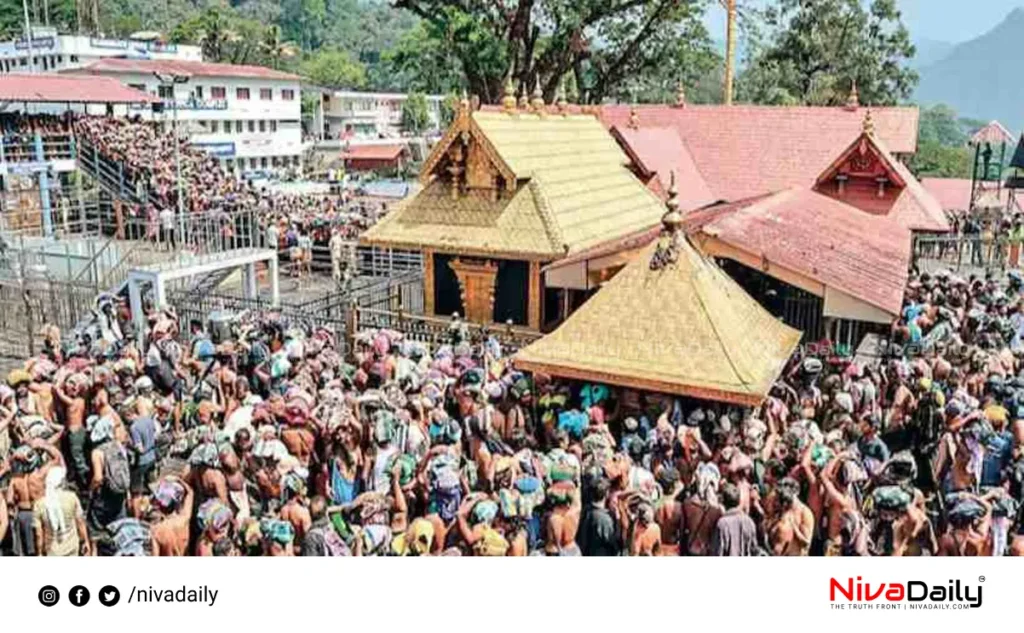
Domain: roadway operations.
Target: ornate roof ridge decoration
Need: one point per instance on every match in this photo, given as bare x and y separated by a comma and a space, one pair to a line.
463, 128
863, 145
508, 101
537, 103
547, 217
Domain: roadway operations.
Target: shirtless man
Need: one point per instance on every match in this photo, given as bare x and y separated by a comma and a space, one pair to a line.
27, 485
299, 440
669, 511
561, 524
171, 533
839, 503
644, 532
701, 510
74, 424
790, 533
294, 510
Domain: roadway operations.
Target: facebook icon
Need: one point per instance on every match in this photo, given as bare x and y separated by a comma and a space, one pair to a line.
79, 595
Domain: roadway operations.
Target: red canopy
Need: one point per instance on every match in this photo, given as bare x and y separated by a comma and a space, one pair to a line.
373, 152
68, 89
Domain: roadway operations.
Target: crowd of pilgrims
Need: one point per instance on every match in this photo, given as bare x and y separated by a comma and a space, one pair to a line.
148, 156
263, 437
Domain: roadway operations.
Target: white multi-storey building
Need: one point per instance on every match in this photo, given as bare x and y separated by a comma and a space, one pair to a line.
247, 116
362, 116
49, 51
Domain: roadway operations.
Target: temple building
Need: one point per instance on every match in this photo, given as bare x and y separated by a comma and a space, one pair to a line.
506, 193
670, 322
829, 256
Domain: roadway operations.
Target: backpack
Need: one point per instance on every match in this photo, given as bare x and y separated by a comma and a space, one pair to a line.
128, 537
116, 474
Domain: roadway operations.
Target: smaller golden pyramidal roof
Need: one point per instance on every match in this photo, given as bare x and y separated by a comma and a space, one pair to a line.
671, 322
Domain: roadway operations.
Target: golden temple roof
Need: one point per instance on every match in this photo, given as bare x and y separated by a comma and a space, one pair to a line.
682, 327
580, 192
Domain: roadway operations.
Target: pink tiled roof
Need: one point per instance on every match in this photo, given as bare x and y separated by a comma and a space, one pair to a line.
954, 194
862, 255
63, 89
660, 151
196, 69
373, 152
743, 151
994, 133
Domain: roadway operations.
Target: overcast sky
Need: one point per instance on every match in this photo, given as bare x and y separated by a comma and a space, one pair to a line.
943, 20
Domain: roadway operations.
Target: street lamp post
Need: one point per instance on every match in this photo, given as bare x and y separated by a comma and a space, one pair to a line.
171, 79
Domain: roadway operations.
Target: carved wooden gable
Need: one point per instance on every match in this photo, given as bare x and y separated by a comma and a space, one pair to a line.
863, 175
466, 161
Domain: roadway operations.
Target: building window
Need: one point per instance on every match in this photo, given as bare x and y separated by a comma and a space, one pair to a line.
238, 127
218, 92
263, 162
165, 92
242, 94
23, 61
263, 126
252, 163
214, 127
287, 94
252, 126
60, 59
266, 94
74, 59
199, 92
273, 126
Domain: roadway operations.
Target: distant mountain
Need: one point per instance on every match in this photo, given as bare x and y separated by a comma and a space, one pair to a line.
930, 52
981, 78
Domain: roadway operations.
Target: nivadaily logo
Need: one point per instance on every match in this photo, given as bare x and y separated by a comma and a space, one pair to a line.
912, 594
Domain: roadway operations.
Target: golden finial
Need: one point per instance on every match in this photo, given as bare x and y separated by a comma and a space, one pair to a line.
672, 220
524, 101
634, 119
464, 102
508, 102
869, 123
474, 103
537, 104
560, 101
853, 100
680, 95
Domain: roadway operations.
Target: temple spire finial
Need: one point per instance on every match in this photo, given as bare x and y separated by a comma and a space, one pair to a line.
680, 95
634, 118
672, 220
560, 101
853, 99
537, 104
508, 101
869, 123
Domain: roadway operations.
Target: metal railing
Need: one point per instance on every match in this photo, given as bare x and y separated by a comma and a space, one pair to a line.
967, 252
435, 331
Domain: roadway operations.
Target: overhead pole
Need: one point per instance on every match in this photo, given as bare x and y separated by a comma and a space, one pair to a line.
730, 48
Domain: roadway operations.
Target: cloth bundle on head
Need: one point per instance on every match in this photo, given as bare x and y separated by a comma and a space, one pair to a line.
484, 511
206, 454
891, 498
277, 531
292, 485
101, 430
17, 377
168, 495
707, 479
214, 515
573, 422
280, 366
593, 395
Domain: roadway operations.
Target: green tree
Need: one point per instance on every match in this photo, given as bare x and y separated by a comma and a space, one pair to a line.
939, 124
274, 49
422, 62
303, 21
817, 50
936, 160
333, 69
603, 43
415, 113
